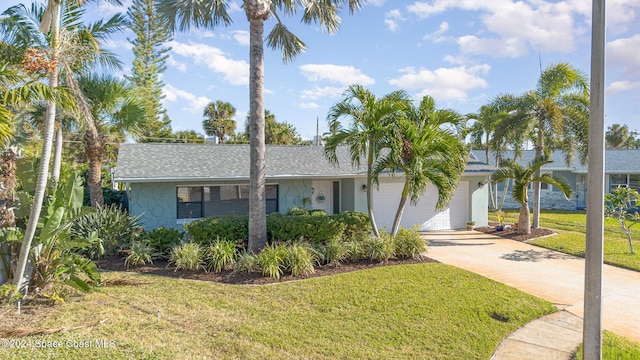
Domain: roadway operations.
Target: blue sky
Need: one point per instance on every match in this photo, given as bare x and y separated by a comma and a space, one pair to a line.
461, 52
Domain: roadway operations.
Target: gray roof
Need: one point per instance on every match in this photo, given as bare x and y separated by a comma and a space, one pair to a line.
617, 161
185, 162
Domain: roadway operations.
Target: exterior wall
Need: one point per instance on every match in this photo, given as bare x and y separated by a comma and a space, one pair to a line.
549, 200
156, 202
291, 194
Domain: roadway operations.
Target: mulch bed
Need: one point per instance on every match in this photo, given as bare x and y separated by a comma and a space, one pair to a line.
162, 268
512, 233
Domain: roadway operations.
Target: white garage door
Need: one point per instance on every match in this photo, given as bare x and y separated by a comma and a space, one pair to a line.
424, 214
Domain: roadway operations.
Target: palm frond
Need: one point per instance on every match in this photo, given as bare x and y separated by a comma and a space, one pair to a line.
181, 14
280, 38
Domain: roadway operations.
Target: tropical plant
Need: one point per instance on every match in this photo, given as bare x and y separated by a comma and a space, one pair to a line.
335, 251
619, 137
110, 230
218, 120
188, 256
299, 259
50, 24
623, 205
221, 255
9, 294
425, 147
523, 177
555, 114
370, 121
140, 253
409, 244
210, 14
272, 260
246, 262
187, 137
379, 248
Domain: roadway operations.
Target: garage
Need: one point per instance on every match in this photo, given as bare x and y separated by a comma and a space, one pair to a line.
424, 214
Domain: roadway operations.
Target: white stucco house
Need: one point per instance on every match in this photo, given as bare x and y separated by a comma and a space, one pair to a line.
172, 184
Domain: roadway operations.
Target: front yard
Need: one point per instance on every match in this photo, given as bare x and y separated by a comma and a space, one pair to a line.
426, 310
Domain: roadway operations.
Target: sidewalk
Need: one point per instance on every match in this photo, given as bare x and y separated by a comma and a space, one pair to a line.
551, 275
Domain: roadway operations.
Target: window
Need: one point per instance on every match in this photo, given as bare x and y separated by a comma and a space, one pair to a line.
634, 181
617, 180
204, 201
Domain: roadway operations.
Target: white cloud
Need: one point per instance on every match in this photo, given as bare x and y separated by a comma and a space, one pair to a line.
242, 37
173, 63
438, 35
443, 83
196, 103
309, 105
236, 72
377, 3
553, 26
106, 9
620, 86
117, 44
624, 53
392, 19
345, 75
322, 92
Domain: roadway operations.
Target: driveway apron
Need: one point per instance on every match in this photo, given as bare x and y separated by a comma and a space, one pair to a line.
554, 276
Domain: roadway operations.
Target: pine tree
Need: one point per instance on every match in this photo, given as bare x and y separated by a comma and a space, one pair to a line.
149, 62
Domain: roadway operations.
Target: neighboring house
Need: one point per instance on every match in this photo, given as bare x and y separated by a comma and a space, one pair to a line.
173, 184
622, 168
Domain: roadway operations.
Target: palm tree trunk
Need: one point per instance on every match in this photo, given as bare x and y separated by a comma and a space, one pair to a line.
43, 171
94, 149
57, 155
7, 218
536, 185
523, 219
400, 211
257, 13
372, 218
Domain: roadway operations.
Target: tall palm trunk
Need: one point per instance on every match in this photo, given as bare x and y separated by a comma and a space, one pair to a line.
43, 171
372, 218
57, 155
257, 12
523, 219
537, 185
7, 197
94, 149
401, 206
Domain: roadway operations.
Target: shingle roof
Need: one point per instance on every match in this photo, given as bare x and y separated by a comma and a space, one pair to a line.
621, 161
166, 162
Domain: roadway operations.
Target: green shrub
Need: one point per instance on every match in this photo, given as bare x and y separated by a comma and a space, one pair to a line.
115, 230
228, 227
140, 253
246, 262
409, 244
335, 251
356, 250
379, 248
162, 240
298, 212
357, 225
9, 293
292, 228
271, 260
221, 255
188, 256
299, 259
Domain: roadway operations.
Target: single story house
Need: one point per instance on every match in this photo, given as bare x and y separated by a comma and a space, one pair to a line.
622, 168
173, 184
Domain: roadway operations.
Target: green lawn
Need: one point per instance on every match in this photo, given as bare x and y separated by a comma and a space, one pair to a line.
615, 347
426, 310
571, 238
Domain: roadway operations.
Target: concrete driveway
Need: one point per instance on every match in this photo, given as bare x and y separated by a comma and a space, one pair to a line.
551, 275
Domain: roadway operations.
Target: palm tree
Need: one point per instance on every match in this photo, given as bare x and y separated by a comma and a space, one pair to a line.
188, 136
114, 109
523, 176
209, 14
617, 136
50, 24
371, 120
218, 120
556, 114
427, 151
